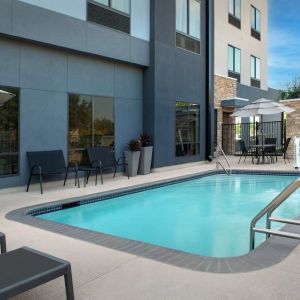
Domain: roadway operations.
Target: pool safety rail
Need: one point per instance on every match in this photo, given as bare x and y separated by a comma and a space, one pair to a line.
218, 162
268, 210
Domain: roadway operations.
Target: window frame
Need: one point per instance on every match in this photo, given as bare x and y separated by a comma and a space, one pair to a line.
92, 120
109, 7
4, 87
253, 8
187, 34
233, 73
255, 82
234, 9
199, 130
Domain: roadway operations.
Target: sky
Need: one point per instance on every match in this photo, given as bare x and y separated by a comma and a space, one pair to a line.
284, 42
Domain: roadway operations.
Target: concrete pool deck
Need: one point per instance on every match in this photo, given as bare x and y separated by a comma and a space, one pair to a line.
102, 273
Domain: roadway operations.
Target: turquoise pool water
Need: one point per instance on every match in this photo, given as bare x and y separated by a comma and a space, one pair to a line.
209, 216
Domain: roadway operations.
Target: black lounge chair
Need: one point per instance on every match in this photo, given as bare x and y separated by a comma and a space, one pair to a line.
103, 158
50, 163
245, 151
24, 269
2, 242
284, 150
271, 151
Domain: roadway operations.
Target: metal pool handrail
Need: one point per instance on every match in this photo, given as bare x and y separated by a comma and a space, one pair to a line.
268, 210
219, 164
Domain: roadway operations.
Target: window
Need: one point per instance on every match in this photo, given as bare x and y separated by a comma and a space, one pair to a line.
255, 71
9, 131
234, 12
255, 22
120, 5
111, 13
91, 123
188, 24
187, 128
234, 62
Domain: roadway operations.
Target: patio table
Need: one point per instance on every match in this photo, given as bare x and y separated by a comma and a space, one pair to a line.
260, 153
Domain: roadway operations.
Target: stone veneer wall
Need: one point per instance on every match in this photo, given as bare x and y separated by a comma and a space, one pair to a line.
225, 87
293, 123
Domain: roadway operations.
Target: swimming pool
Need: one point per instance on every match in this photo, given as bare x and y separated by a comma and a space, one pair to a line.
208, 216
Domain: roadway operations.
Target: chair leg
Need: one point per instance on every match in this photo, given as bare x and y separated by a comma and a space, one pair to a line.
127, 170
3, 244
66, 176
41, 180
77, 178
240, 158
29, 180
116, 168
69, 284
96, 181
245, 157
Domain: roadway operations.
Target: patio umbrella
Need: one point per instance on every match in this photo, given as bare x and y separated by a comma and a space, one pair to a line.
262, 107
5, 96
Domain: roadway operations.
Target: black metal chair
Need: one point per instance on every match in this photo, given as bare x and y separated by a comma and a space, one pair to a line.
25, 268
245, 151
284, 150
272, 150
103, 158
43, 163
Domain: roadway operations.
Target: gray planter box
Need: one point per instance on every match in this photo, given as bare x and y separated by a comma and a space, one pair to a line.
145, 160
132, 159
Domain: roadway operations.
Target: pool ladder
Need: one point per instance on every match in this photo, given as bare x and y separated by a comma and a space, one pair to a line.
268, 210
219, 164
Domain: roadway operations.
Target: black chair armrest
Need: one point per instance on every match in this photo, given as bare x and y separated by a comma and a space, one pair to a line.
36, 167
124, 160
96, 161
73, 163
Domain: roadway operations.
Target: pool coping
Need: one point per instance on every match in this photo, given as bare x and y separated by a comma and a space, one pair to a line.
267, 254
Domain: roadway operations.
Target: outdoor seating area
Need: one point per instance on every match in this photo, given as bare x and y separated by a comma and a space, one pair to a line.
46, 163
24, 268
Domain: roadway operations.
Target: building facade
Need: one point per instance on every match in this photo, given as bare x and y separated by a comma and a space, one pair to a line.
101, 72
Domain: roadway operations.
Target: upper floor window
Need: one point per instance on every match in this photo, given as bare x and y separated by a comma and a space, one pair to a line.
234, 12
188, 24
255, 22
111, 13
234, 62
120, 5
255, 71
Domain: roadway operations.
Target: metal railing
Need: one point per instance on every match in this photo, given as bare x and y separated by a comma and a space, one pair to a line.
268, 210
219, 164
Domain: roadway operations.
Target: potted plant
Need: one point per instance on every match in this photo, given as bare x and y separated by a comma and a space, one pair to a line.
132, 156
146, 154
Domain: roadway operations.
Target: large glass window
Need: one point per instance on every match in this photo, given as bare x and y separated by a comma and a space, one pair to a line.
9, 131
235, 8
255, 67
120, 5
91, 123
234, 59
187, 128
188, 17
255, 19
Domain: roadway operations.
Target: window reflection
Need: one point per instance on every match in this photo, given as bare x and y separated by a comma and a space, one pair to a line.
187, 128
91, 123
9, 131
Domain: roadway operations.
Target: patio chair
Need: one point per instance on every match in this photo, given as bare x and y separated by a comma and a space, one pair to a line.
25, 268
2, 243
103, 158
43, 163
245, 151
284, 150
271, 151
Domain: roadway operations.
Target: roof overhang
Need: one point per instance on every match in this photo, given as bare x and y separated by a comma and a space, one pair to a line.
234, 102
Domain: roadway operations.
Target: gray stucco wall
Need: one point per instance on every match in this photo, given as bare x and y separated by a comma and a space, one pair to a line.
25, 21
174, 75
45, 76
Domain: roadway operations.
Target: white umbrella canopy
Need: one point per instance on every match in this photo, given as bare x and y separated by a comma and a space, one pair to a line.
262, 107
5, 96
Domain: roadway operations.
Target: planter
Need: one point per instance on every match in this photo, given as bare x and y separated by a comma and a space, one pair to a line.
132, 158
145, 160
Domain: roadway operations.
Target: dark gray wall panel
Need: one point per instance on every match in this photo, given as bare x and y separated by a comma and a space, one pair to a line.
90, 76
43, 123
129, 82
43, 69
22, 20
129, 125
5, 16
9, 63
